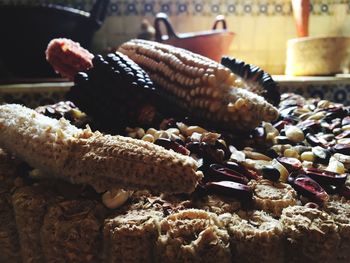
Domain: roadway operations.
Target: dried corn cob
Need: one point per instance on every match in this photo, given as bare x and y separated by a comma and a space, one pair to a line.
56, 147
71, 232
339, 210
201, 87
114, 92
131, 236
254, 237
9, 243
68, 57
30, 204
254, 79
312, 233
192, 235
272, 197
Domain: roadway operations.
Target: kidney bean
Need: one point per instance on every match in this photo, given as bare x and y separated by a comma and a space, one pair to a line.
218, 172
324, 177
309, 188
233, 189
172, 145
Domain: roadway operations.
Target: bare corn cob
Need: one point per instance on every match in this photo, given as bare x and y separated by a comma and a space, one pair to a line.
58, 148
339, 210
311, 232
30, 204
131, 236
192, 235
255, 237
272, 197
200, 86
71, 232
9, 243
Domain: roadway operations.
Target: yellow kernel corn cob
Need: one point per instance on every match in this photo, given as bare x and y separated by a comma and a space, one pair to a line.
60, 149
202, 87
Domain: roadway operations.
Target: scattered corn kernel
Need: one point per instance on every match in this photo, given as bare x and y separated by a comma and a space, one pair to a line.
283, 171
294, 134
148, 138
307, 156
291, 153
191, 129
335, 166
151, 131
115, 199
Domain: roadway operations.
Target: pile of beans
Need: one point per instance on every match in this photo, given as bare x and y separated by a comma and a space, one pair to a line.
307, 147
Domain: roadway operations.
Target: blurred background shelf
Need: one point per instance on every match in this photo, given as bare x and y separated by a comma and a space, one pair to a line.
34, 94
335, 88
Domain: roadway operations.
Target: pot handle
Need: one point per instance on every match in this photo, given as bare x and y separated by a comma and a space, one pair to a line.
99, 11
219, 19
163, 18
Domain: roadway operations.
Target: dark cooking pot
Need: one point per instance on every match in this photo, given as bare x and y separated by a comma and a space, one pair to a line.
25, 32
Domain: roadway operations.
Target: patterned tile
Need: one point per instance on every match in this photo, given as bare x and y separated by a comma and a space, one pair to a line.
195, 7
166, 7
339, 93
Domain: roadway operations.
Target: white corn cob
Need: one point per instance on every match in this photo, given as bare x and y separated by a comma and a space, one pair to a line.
58, 148
200, 86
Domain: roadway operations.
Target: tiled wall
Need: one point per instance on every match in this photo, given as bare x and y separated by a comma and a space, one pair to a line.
262, 27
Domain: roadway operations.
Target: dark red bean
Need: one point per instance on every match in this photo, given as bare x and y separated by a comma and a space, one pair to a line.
194, 147
291, 164
321, 155
287, 111
218, 172
335, 112
334, 124
309, 126
221, 146
237, 190
210, 153
280, 125
252, 175
271, 153
342, 148
291, 179
324, 177
346, 121
284, 140
331, 189
259, 135
172, 145
344, 134
312, 140
271, 173
309, 188
179, 141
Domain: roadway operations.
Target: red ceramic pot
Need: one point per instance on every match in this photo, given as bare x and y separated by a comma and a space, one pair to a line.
213, 43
